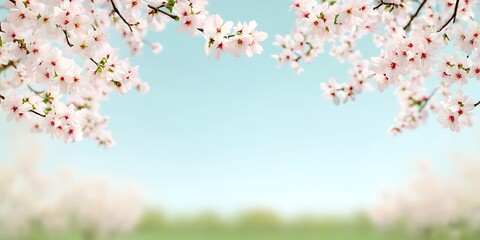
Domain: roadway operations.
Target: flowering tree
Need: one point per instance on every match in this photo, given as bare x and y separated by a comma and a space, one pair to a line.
58, 64
62, 201
418, 40
432, 201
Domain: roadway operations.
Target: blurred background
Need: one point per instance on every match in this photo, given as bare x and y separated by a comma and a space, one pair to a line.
237, 149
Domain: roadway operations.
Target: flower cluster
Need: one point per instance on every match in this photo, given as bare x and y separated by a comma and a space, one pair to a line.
348, 91
243, 39
339, 24
58, 64
416, 41
218, 34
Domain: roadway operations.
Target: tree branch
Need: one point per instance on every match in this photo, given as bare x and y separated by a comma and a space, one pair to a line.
66, 37
453, 17
381, 3
115, 9
2, 97
37, 113
415, 14
91, 59
157, 9
476, 104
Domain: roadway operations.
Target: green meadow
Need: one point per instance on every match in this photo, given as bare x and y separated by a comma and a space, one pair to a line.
260, 225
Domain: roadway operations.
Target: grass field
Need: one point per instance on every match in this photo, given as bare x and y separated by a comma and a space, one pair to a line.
257, 226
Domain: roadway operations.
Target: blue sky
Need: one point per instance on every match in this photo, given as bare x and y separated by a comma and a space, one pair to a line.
240, 133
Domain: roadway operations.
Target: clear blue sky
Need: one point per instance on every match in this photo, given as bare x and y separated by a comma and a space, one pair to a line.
238, 133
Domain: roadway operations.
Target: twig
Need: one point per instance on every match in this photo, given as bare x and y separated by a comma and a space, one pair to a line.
115, 9
34, 91
453, 17
428, 99
91, 59
476, 104
2, 97
381, 3
157, 9
415, 15
37, 113
66, 37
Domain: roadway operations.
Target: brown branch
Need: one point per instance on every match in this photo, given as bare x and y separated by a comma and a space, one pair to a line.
381, 3
66, 37
157, 9
453, 17
2, 97
476, 104
91, 59
415, 14
115, 9
37, 113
